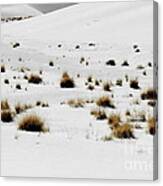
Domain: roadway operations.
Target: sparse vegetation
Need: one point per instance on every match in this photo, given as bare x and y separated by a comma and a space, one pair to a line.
111, 62
33, 78
123, 131
19, 108
152, 125
99, 114
3, 69
134, 84
114, 120
125, 63
149, 94
105, 101
5, 105
76, 103
32, 123
67, 81
7, 116
107, 86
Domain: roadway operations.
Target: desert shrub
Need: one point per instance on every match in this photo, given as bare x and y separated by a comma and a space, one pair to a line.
32, 123
5, 105
82, 59
19, 108
137, 50
114, 120
135, 46
107, 86
150, 64
128, 113
18, 86
107, 138
7, 116
149, 94
77, 47
87, 63
15, 45
90, 79
125, 63
140, 67
66, 81
59, 45
97, 83
152, 125
152, 103
111, 62
38, 103
78, 75
76, 103
33, 78
3, 69
126, 77
123, 131
144, 73
90, 87
25, 77
105, 101
51, 63
134, 84
45, 104
138, 117
6, 81
92, 44
119, 82
99, 114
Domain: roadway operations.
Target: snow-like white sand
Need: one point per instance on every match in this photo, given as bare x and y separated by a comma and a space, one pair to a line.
74, 147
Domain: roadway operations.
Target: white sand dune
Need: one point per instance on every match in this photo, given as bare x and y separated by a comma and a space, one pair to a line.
74, 145
18, 10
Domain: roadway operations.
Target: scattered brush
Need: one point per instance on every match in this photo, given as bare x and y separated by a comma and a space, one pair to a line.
66, 81
107, 86
149, 94
134, 84
123, 131
76, 103
99, 114
114, 120
32, 123
119, 82
105, 101
36, 79
3, 69
111, 62
152, 125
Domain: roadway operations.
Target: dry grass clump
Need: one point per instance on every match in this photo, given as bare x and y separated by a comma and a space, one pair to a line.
32, 123
152, 125
149, 94
67, 81
134, 84
5, 105
119, 82
107, 86
123, 131
76, 103
33, 78
19, 108
105, 101
7, 116
3, 69
114, 120
99, 114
